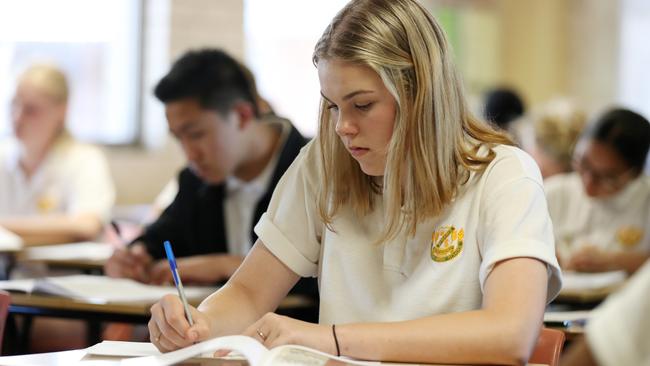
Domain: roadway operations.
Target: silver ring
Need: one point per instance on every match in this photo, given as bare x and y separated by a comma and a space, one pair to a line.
259, 333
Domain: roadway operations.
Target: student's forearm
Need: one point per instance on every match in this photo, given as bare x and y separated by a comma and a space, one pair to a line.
231, 310
54, 228
256, 288
476, 337
629, 262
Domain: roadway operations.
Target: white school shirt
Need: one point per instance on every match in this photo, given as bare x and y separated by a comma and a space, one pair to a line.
74, 178
242, 197
498, 215
617, 223
618, 331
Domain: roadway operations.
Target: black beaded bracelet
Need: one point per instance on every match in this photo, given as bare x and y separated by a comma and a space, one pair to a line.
336, 340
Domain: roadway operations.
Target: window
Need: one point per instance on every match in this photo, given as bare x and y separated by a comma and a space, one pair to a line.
279, 46
96, 43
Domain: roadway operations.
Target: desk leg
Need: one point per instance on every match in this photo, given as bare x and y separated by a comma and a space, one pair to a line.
23, 334
10, 344
93, 332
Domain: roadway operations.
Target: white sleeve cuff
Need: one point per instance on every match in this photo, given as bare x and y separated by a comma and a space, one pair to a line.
518, 248
276, 242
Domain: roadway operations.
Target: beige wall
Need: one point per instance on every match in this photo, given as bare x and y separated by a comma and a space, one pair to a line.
545, 48
561, 47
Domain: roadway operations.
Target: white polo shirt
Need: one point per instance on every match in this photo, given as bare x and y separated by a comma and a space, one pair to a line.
74, 178
497, 215
619, 329
617, 223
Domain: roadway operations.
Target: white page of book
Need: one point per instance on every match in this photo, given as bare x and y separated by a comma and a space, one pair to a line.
252, 350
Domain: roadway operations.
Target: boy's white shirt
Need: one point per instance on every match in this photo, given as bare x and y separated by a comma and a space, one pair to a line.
498, 215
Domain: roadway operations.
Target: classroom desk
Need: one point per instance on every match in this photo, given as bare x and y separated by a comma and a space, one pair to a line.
30, 305
79, 357
89, 257
586, 297
131, 312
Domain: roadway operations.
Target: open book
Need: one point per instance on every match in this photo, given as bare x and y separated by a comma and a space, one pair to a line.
249, 348
100, 289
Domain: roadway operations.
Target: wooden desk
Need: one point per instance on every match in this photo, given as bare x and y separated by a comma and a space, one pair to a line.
79, 357
30, 305
587, 297
131, 312
85, 256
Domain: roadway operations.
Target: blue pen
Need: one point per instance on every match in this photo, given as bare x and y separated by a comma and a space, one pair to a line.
177, 280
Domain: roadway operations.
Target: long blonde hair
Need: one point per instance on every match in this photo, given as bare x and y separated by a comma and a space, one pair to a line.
435, 140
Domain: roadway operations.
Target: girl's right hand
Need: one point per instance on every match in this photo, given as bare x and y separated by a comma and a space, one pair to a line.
169, 329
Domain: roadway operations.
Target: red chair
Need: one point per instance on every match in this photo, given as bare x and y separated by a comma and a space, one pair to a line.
5, 300
548, 348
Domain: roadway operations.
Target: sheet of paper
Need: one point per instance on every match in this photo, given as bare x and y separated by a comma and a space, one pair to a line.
572, 281
72, 251
252, 350
9, 242
119, 348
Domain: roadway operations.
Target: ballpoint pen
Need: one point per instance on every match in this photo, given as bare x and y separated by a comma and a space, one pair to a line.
177, 280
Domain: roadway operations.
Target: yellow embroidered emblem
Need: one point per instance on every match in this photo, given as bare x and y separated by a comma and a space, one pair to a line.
446, 243
629, 236
46, 204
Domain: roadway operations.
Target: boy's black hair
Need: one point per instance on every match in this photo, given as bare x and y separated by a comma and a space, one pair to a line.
211, 77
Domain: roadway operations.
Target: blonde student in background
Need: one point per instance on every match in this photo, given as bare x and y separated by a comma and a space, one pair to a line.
52, 187
556, 126
428, 229
601, 212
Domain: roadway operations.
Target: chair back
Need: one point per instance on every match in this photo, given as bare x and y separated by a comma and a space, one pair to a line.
548, 348
5, 300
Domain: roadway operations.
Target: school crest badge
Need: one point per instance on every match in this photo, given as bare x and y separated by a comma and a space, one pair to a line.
446, 243
629, 236
46, 204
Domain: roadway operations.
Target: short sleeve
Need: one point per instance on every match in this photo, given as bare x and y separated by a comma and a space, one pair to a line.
291, 228
514, 218
617, 332
92, 189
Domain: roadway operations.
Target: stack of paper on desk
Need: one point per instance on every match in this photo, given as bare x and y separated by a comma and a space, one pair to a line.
100, 289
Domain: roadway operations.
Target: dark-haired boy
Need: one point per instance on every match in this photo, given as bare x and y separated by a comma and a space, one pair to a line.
235, 160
